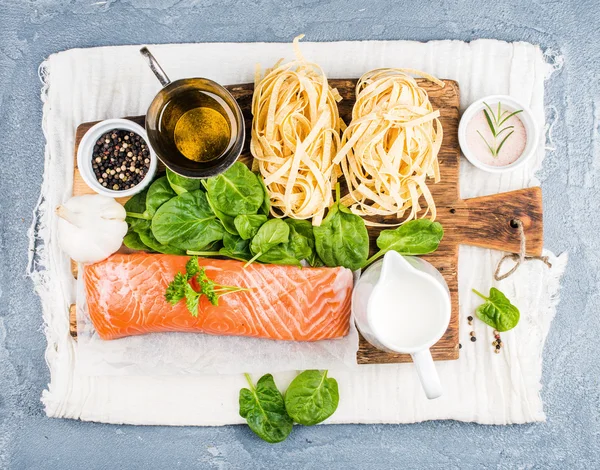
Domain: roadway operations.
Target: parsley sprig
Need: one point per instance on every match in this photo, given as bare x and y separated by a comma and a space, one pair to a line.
495, 122
181, 288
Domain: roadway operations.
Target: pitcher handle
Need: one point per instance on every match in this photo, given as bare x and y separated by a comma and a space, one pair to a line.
428, 375
155, 67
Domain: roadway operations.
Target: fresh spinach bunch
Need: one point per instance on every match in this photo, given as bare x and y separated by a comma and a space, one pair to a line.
310, 398
497, 311
416, 237
342, 238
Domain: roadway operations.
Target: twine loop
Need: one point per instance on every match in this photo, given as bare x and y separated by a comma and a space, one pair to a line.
518, 257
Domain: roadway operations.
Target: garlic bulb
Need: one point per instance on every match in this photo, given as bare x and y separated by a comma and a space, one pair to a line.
91, 227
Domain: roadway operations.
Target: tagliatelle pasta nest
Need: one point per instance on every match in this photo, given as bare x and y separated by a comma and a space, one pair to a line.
391, 146
295, 137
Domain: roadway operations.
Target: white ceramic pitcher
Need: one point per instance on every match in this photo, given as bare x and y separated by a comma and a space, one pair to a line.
402, 305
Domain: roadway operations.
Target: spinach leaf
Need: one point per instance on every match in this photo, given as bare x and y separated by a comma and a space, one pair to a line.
302, 240
312, 397
265, 207
235, 247
416, 237
247, 225
181, 184
226, 220
281, 253
132, 241
236, 191
497, 311
136, 205
186, 222
158, 193
342, 238
271, 233
264, 409
147, 238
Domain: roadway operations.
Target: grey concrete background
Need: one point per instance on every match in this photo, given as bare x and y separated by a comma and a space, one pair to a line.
30, 30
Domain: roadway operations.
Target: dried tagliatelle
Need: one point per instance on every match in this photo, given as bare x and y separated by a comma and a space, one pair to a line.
295, 136
391, 146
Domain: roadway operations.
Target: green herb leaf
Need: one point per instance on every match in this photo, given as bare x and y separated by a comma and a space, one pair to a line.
132, 241
181, 184
235, 247
176, 289
159, 192
180, 288
264, 410
281, 253
342, 238
187, 222
302, 240
503, 140
192, 267
490, 123
271, 233
226, 220
135, 208
147, 237
509, 116
192, 299
236, 191
492, 151
312, 397
265, 207
416, 237
247, 225
495, 123
497, 311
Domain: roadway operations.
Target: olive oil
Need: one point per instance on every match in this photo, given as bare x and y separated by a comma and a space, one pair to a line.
197, 126
202, 134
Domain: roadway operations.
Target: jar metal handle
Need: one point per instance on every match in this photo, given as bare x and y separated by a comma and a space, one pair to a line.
155, 67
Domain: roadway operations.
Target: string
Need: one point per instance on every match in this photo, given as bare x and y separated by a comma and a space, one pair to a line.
518, 258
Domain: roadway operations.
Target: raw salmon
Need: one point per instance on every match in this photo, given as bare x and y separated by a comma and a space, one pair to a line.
126, 296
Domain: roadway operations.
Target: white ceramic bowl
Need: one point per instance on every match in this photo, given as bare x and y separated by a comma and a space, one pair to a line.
511, 104
86, 148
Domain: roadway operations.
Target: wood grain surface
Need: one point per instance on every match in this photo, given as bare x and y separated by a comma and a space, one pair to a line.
483, 221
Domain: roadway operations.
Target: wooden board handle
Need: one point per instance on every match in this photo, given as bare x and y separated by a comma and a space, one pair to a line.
486, 221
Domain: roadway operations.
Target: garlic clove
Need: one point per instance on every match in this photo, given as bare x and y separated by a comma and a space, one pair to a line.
91, 227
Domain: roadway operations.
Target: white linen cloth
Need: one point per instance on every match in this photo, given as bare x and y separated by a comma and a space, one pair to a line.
91, 84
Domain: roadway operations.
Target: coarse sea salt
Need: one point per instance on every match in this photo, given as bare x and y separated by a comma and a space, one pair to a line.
511, 150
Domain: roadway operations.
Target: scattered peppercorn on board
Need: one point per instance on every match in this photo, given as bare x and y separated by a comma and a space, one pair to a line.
483, 221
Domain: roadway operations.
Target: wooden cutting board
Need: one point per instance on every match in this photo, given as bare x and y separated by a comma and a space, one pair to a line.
483, 221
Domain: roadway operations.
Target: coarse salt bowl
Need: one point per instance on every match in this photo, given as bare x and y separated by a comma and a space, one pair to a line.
86, 149
507, 103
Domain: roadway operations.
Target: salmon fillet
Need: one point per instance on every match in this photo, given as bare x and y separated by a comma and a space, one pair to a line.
126, 296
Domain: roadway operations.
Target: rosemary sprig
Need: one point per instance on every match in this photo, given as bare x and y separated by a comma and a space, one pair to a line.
495, 121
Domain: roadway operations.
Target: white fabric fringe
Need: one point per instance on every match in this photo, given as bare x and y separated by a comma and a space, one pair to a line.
91, 84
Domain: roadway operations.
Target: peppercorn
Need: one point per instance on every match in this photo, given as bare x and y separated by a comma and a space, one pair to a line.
470, 318
459, 346
472, 333
113, 166
473, 338
498, 346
